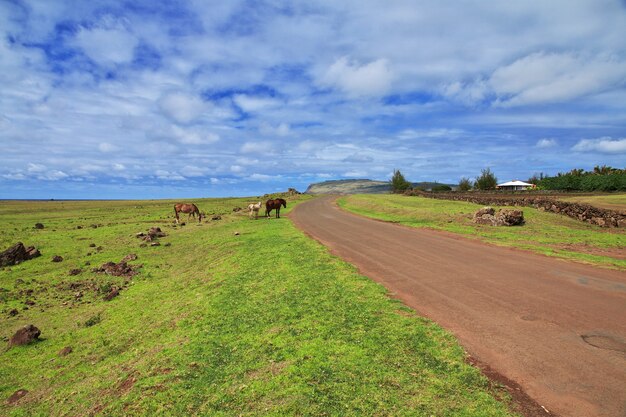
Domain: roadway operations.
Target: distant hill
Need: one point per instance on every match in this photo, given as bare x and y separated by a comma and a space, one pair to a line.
349, 187
360, 186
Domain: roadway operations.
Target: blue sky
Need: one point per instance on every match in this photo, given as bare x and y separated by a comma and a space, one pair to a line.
148, 99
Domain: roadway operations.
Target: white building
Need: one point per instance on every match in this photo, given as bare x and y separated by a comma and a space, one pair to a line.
514, 185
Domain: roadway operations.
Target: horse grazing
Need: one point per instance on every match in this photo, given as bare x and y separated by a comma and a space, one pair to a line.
190, 209
274, 205
254, 208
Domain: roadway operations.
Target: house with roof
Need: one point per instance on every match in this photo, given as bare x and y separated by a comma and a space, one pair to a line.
515, 185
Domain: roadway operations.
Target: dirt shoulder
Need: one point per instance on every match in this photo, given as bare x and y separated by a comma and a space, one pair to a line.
556, 328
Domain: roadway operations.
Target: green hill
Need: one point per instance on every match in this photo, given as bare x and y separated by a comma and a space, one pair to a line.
360, 186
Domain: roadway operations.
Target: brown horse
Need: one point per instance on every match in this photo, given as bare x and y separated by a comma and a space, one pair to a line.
190, 209
274, 205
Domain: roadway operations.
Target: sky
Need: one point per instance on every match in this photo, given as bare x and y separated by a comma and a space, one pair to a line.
180, 99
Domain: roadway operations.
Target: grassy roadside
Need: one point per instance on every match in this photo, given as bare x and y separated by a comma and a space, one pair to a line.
546, 233
608, 201
265, 322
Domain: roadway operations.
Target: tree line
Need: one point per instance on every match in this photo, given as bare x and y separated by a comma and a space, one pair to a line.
601, 178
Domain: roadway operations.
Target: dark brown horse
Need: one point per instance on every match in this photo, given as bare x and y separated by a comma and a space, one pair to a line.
190, 209
274, 205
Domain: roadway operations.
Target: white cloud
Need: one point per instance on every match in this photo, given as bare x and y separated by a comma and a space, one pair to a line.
194, 171
546, 143
358, 158
167, 175
372, 79
250, 103
263, 177
36, 167
552, 77
182, 107
261, 147
602, 145
107, 46
118, 167
17, 176
53, 175
355, 174
283, 129
106, 147
193, 137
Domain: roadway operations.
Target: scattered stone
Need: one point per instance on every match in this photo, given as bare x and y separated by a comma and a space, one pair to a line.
25, 335
153, 234
88, 253
75, 271
78, 295
216, 217
168, 244
18, 253
129, 257
16, 396
99, 249
65, 351
79, 227
236, 233
14, 312
112, 294
57, 258
155, 244
94, 226
510, 217
121, 269
236, 209
29, 302
87, 263
504, 217
92, 245
143, 245
38, 226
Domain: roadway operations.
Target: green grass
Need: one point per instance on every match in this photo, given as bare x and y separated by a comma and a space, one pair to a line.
608, 201
266, 322
547, 233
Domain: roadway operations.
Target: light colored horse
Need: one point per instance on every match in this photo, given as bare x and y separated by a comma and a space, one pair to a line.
254, 208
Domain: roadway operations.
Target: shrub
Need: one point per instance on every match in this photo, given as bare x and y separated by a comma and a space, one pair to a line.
486, 181
442, 187
465, 184
398, 183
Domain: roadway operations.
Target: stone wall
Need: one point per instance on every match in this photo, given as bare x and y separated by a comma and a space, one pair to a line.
583, 212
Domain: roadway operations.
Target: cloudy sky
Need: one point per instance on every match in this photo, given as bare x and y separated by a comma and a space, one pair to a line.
155, 99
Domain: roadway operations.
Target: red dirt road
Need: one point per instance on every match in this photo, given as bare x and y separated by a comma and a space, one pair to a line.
556, 328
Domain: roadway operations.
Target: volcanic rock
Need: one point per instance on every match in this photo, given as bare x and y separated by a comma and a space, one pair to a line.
25, 335
65, 351
112, 294
18, 253
57, 258
16, 396
510, 217
38, 226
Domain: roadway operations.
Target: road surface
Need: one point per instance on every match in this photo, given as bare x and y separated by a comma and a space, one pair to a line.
556, 328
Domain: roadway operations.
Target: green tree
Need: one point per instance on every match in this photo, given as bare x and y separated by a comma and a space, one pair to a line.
398, 183
486, 181
465, 184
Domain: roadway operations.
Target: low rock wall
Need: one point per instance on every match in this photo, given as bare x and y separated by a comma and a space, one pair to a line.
583, 212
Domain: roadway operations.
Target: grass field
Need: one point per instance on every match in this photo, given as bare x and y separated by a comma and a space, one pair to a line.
547, 233
265, 322
609, 201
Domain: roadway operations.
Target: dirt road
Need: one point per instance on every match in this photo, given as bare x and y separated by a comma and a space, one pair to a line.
557, 328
